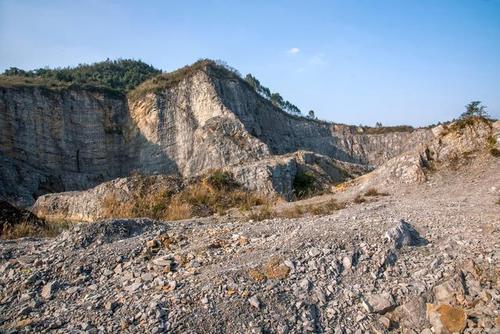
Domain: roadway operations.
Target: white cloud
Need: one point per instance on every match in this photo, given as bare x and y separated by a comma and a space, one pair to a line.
293, 51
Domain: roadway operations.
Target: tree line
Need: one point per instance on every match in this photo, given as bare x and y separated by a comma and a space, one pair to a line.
122, 74
275, 98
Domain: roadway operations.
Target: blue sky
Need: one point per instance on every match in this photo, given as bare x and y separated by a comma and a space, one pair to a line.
398, 62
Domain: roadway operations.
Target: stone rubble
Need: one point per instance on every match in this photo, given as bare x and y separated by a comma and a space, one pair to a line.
362, 269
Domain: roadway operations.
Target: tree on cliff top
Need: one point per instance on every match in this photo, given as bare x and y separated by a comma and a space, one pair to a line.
474, 108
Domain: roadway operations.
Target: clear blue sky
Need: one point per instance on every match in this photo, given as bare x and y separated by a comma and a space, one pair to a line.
399, 62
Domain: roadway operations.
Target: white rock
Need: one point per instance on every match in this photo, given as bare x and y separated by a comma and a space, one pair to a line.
254, 301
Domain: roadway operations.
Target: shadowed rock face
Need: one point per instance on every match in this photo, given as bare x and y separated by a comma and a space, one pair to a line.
54, 140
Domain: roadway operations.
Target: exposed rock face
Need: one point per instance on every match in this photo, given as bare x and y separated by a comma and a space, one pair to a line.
451, 146
270, 176
56, 140
89, 205
276, 174
59, 140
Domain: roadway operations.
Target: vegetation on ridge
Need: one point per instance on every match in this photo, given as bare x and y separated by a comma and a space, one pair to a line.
120, 75
275, 98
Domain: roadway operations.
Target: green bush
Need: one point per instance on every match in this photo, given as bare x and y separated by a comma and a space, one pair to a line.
304, 184
120, 75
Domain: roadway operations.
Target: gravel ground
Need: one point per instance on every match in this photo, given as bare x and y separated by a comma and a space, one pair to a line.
423, 259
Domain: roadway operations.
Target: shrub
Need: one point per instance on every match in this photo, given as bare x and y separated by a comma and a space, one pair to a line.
491, 145
221, 180
262, 213
214, 193
304, 184
324, 208
374, 192
359, 199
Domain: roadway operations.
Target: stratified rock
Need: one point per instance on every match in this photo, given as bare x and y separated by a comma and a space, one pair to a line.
65, 139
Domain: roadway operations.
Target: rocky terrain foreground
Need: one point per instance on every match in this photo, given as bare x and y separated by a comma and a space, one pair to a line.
424, 259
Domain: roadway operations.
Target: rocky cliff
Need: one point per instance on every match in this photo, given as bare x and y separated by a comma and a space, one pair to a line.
60, 139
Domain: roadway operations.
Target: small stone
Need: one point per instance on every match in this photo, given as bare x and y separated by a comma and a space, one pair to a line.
346, 262
447, 292
147, 277
386, 322
111, 305
49, 289
380, 303
254, 301
133, 287
313, 252
164, 261
305, 284
25, 311
289, 264
118, 269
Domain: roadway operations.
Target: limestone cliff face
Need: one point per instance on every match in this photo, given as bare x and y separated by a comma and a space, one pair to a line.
284, 133
54, 140
186, 129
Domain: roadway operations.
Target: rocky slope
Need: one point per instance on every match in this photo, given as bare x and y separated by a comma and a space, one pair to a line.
357, 270
454, 145
64, 138
269, 176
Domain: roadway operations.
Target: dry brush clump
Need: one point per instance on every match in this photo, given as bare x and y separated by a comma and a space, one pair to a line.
18, 223
359, 199
217, 192
296, 210
492, 142
375, 192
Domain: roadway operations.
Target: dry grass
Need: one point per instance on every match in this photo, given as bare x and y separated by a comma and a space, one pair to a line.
21, 81
215, 193
297, 210
262, 213
375, 192
359, 199
23, 230
325, 208
171, 79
